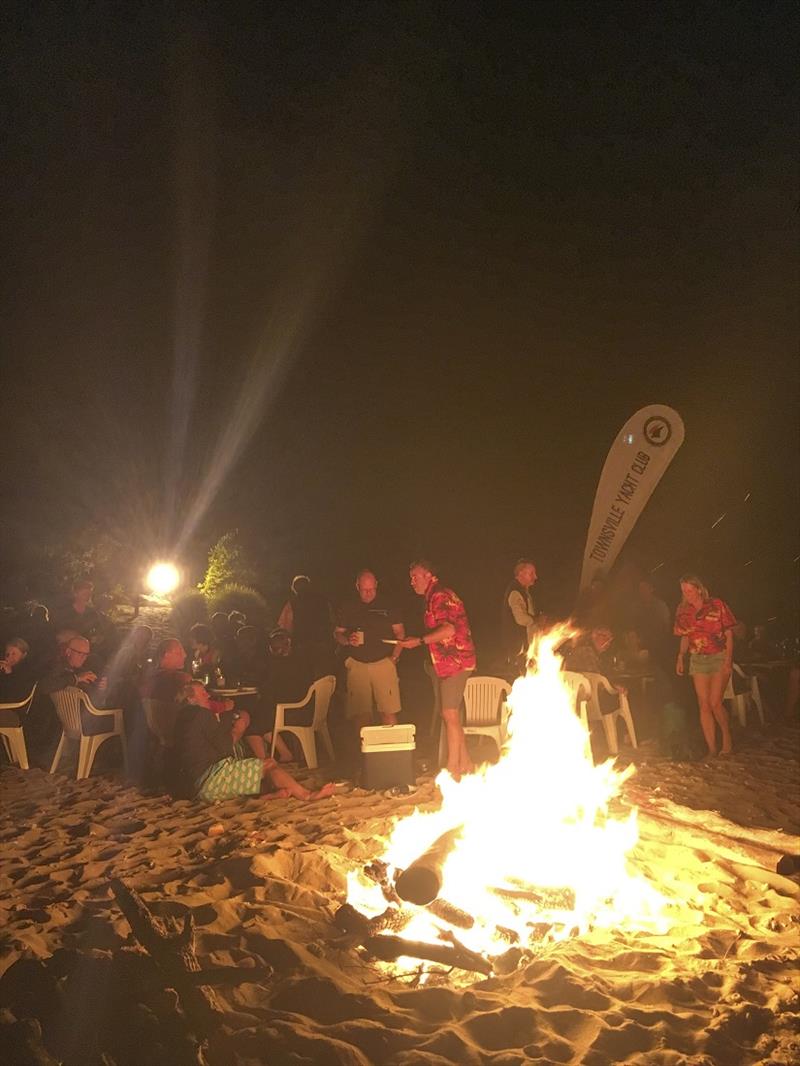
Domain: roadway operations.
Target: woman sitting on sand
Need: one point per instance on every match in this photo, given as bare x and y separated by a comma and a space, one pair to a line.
705, 626
213, 763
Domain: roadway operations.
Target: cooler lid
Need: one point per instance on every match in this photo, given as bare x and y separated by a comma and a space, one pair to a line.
378, 736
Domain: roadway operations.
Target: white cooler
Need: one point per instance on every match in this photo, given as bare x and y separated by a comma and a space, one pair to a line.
387, 756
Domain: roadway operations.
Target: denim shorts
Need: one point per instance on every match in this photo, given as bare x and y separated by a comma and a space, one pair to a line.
706, 664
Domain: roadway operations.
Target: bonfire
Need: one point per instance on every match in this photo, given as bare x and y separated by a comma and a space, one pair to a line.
523, 853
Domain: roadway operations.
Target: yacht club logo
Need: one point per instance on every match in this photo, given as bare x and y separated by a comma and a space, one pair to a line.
657, 431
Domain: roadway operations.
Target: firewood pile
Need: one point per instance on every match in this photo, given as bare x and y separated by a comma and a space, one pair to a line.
419, 886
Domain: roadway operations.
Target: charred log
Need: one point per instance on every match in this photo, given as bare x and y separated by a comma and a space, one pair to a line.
390, 948
421, 882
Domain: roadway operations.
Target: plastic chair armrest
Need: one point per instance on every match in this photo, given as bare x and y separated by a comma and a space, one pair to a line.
90, 707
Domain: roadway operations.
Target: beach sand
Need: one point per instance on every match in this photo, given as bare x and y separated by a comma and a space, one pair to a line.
263, 880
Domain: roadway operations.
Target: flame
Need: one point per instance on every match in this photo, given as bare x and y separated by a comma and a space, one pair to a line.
538, 819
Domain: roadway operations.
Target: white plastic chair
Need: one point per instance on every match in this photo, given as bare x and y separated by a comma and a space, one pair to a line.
581, 689
741, 700
321, 692
68, 702
600, 683
486, 712
13, 736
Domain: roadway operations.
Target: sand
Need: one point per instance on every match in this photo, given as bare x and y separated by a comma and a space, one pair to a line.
263, 881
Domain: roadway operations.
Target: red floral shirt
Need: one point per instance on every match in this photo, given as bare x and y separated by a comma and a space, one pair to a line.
705, 627
456, 653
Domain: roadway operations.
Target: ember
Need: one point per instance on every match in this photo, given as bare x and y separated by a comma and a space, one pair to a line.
522, 854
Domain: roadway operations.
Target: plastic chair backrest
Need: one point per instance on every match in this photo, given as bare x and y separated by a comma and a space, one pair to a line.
323, 690
24, 705
580, 687
483, 700
67, 702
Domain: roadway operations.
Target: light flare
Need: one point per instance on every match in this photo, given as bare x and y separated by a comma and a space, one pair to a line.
539, 846
163, 578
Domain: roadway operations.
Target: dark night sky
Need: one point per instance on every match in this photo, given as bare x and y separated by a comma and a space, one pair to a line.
398, 273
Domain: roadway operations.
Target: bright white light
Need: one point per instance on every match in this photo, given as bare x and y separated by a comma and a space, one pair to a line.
163, 578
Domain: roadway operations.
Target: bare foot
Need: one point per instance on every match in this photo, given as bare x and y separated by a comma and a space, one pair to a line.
726, 751
321, 793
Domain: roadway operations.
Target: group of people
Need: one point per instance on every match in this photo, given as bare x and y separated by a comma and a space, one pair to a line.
219, 749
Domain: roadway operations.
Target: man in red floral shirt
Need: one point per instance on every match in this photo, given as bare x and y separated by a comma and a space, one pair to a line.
452, 651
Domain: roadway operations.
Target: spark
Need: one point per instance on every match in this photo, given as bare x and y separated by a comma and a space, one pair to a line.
723, 515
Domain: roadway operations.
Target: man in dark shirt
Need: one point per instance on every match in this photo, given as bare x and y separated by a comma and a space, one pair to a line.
369, 629
69, 668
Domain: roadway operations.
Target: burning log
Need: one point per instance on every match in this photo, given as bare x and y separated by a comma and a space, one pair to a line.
379, 873
421, 882
546, 898
357, 925
448, 912
390, 948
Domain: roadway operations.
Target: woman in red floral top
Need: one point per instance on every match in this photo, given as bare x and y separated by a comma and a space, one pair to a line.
705, 626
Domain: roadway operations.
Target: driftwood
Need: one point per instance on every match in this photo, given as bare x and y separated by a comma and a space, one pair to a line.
22, 1043
174, 955
421, 882
389, 948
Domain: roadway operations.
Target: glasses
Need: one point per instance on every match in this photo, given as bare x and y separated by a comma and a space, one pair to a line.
77, 651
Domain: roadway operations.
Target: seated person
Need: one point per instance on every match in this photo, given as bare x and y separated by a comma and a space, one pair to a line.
69, 668
761, 647
288, 677
590, 654
224, 641
15, 679
279, 679
213, 763
251, 656
632, 656
741, 643
205, 655
167, 676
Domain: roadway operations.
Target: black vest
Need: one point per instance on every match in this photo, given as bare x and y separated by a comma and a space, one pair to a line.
515, 638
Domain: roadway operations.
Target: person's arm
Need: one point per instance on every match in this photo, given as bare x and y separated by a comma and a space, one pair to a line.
286, 617
680, 663
519, 609
433, 636
728, 650
399, 631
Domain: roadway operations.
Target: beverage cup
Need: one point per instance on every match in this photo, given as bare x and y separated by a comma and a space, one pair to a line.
359, 635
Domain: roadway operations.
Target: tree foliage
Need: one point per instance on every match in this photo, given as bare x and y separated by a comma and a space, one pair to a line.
227, 565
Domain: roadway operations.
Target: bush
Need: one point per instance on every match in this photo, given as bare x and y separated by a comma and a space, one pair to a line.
187, 608
228, 565
242, 598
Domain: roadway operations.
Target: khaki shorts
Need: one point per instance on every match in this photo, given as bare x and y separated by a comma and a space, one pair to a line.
372, 681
